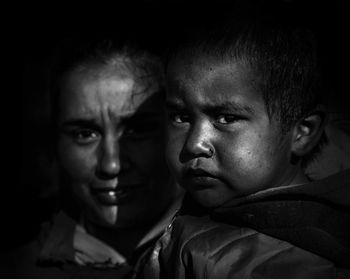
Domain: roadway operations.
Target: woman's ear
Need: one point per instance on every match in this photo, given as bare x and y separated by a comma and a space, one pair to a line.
307, 132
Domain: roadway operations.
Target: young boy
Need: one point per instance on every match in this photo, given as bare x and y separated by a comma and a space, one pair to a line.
244, 119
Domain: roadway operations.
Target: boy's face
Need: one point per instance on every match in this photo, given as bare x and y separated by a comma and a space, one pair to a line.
110, 147
221, 143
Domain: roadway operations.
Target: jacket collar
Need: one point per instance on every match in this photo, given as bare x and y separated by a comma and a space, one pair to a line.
66, 241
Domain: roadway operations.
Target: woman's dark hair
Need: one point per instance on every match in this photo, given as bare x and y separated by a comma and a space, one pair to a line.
87, 54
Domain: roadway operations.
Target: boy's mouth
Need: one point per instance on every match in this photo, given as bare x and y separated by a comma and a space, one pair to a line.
198, 172
199, 179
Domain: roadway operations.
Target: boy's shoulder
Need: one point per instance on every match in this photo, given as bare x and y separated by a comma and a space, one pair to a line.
198, 232
273, 233
208, 249
208, 239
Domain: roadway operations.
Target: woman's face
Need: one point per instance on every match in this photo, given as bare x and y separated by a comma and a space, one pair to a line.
110, 146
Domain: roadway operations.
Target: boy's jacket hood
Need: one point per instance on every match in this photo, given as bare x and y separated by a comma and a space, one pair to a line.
314, 216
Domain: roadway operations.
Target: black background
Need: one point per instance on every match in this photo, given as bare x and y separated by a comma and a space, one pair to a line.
36, 29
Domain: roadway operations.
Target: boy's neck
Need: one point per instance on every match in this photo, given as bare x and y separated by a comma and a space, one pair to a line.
299, 178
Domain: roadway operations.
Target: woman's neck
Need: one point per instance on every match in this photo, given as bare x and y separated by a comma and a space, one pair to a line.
123, 240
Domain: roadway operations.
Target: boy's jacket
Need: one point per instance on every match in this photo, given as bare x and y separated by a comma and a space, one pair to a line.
315, 216
300, 231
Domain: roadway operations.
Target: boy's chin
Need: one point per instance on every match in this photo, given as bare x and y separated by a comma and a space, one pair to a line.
209, 198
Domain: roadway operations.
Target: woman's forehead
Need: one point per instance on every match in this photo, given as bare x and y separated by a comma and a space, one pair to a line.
90, 97
121, 75
112, 80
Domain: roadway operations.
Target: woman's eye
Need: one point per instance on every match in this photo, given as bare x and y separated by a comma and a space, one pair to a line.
85, 136
141, 129
226, 119
179, 118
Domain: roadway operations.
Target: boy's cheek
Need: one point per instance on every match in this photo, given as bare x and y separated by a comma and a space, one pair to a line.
173, 162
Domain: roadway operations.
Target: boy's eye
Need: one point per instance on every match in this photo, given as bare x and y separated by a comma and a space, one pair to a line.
226, 118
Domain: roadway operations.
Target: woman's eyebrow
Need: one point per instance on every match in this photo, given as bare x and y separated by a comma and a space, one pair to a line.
142, 115
172, 104
80, 122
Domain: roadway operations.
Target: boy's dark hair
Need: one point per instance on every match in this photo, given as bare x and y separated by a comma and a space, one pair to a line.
276, 45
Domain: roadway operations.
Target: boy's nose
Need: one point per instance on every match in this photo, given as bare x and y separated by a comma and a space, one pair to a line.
109, 161
198, 142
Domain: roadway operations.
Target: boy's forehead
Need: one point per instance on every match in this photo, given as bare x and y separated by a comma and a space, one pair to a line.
185, 68
201, 71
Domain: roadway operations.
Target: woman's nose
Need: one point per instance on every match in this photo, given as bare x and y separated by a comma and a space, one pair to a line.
109, 161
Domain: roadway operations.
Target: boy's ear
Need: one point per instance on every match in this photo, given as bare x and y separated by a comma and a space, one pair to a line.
307, 133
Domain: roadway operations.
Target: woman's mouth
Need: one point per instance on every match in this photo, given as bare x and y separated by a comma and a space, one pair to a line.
118, 196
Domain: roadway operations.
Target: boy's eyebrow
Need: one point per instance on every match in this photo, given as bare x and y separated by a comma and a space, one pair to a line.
214, 108
228, 106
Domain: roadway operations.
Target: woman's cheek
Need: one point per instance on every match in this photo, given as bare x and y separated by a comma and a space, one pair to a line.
146, 156
77, 162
